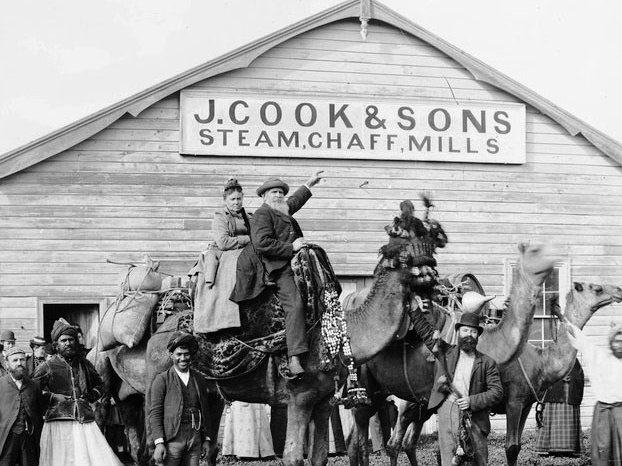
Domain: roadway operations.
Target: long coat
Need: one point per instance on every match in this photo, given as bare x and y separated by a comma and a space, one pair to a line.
34, 405
273, 232
485, 389
166, 404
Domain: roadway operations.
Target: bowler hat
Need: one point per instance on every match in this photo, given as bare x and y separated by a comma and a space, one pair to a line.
469, 319
7, 335
273, 183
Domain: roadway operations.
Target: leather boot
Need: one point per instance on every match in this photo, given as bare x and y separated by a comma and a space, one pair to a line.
295, 367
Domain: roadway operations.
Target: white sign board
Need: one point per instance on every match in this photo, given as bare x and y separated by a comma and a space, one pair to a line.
378, 129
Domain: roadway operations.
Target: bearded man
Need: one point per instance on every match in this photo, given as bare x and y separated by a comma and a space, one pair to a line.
70, 435
277, 236
604, 369
465, 381
21, 413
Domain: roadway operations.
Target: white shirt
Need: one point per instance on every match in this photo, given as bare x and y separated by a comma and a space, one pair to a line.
462, 376
184, 376
18, 383
601, 366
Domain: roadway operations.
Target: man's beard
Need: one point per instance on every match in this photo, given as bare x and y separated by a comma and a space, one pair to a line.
467, 344
279, 204
68, 352
18, 372
617, 353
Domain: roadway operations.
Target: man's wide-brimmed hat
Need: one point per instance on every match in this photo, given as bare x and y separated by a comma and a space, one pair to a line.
7, 335
473, 301
469, 319
273, 183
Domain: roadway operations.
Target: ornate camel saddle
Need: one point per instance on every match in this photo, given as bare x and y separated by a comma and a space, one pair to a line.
234, 352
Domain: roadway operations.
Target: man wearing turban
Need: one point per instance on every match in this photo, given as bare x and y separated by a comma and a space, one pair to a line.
177, 407
70, 435
604, 368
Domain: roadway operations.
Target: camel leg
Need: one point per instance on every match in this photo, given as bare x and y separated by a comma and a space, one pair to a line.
358, 447
132, 412
320, 417
215, 407
411, 438
298, 416
514, 412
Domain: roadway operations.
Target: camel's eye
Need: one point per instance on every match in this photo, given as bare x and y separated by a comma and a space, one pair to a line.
597, 289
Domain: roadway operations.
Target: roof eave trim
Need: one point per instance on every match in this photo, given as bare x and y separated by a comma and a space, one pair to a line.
489, 75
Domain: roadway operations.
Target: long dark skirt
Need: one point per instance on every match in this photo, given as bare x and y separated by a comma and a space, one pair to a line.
561, 432
607, 435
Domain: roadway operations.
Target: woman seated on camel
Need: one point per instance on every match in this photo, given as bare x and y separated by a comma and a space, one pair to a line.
230, 226
216, 267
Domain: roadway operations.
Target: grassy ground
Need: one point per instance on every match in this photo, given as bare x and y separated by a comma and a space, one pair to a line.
426, 455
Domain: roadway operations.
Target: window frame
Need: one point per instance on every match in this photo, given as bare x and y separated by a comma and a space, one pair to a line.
564, 284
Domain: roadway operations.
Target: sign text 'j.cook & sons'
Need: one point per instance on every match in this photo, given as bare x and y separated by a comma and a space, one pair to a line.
352, 129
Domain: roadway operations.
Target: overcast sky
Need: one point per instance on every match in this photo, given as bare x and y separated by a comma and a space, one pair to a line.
64, 59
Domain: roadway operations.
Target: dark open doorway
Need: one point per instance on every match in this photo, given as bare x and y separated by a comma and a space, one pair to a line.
86, 315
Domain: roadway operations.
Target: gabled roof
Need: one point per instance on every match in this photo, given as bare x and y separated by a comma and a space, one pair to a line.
74, 133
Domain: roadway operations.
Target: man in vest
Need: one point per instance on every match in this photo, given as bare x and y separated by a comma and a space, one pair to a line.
70, 434
21, 413
466, 382
177, 410
277, 236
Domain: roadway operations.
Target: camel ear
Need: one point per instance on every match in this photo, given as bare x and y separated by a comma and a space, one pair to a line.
578, 286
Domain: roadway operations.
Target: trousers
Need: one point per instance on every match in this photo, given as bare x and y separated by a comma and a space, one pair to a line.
185, 448
448, 426
295, 319
607, 434
20, 449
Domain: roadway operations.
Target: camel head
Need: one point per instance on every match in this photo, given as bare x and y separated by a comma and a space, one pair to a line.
534, 263
584, 299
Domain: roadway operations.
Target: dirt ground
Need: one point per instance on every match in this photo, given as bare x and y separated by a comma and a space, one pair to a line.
426, 455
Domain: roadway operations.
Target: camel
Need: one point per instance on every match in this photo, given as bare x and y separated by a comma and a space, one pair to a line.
371, 327
545, 366
406, 371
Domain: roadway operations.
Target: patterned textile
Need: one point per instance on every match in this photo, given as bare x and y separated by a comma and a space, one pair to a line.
229, 354
561, 432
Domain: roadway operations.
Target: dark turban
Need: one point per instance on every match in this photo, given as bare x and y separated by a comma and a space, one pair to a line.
183, 339
62, 327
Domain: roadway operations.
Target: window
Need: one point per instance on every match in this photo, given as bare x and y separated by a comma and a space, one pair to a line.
544, 326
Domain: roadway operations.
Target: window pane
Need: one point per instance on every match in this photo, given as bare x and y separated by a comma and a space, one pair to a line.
552, 281
540, 306
548, 300
549, 329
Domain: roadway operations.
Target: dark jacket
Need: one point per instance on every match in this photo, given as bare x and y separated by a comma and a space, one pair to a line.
80, 382
273, 232
33, 402
568, 390
30, 365
166, 404
485, 389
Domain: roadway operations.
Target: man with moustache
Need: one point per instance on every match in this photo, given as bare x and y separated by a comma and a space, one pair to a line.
21, 413
177, 410
604, 369
70, 434
277, 236
465, 380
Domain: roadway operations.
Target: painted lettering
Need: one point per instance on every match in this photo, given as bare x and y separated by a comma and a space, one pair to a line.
405, 113
445, 116
312, 114
210, 113
263, 113
340, 114
505, 126
232, 115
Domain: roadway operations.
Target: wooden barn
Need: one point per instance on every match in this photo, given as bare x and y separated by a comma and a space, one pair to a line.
386, 108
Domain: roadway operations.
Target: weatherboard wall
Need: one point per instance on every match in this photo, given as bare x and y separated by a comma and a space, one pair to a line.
126, 192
